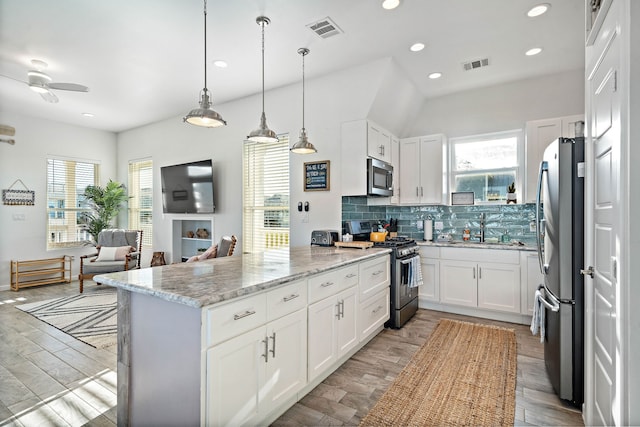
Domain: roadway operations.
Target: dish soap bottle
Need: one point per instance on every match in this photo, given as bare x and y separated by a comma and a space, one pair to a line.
505, 237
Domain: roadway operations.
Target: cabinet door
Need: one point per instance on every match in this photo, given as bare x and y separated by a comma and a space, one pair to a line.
430, 289
431, 169
458, 283
286, 370
409, 170
322, 343
531, 278
373, 313
395, 162
499, 287
346, 328
378, 143
235, 370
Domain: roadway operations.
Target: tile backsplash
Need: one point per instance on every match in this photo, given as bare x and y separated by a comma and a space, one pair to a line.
514, 219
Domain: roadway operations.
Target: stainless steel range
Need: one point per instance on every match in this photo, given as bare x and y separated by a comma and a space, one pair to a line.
405, 278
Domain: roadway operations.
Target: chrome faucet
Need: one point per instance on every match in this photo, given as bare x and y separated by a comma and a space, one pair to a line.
480, 235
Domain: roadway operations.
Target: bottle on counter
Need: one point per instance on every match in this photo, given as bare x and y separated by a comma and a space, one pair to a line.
466, 234
505, 237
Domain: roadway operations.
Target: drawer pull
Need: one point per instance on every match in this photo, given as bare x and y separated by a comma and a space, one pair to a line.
327, 284
245, 314
377, 272
377, 309
290, 297
350, 275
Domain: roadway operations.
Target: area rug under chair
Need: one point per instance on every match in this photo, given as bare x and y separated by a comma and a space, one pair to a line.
465, 374
88, 317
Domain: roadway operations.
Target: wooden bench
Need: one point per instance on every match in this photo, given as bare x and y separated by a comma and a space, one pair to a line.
40, 272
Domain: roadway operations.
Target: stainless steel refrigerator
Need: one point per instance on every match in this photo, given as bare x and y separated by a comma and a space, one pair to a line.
560, 241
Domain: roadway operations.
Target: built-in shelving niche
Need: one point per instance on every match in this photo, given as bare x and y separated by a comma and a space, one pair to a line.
186, 244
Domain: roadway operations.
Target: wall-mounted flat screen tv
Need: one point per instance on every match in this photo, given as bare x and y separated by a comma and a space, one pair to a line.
188, 188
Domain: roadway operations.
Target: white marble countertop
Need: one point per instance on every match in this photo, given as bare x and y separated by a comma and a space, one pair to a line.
203, 283
477, 245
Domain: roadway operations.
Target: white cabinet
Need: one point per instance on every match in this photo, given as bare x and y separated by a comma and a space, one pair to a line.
539, 134
395, 162
374, 277
430, 289
373, 296
361, 139
378, 142
332, 330
530, 278
468, 277
261, 365
422, 170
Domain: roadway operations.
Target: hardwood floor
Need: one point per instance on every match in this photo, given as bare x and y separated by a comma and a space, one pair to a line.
49, 378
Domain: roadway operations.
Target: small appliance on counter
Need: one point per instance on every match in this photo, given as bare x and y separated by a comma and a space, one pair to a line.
360, 230
324, 237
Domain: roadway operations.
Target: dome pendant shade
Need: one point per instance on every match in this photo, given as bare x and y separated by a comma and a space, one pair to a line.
263, 133
303, 146
203, 115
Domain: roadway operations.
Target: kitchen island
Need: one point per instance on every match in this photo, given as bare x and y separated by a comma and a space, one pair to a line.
197, 341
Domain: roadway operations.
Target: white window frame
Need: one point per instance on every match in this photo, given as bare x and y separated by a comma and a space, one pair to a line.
133, 207
59, 226
256, 237
479, 138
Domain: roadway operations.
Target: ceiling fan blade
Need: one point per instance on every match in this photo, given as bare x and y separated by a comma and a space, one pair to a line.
49, 97
12, 78
68, 86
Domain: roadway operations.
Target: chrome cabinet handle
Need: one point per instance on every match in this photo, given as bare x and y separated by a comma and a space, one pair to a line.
266, 349
273, 345
338, 308
290, 297
377, 272
474, 272
421, 191
327, 284
417, 193
350, 275
245, 314
377, 309
342, 309
479, 272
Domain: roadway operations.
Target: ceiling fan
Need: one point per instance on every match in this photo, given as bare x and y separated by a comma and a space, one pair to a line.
40, 82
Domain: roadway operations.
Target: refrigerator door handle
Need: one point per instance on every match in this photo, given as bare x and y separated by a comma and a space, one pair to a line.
543, 299
554, 299
544, 167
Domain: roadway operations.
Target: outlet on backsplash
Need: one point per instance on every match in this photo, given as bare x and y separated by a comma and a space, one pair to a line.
532, 227
438, 225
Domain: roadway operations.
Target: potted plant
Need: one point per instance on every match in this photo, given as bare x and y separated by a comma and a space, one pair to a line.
511, 193
105, 203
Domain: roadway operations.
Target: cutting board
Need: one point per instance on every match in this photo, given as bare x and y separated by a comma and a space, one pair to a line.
359, 245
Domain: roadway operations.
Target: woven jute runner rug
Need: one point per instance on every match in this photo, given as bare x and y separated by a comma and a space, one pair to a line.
465, 374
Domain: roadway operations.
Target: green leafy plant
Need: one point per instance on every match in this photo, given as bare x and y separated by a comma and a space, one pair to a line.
511, 188
105, 203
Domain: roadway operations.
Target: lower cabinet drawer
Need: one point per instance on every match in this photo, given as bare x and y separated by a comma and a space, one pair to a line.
235, 318
373, 313
286, 299
323, 285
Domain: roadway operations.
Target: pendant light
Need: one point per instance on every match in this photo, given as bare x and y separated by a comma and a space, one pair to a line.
204, 115
303, 146
263, 133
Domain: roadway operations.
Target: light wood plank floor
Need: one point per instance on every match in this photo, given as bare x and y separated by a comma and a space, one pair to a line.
50, 378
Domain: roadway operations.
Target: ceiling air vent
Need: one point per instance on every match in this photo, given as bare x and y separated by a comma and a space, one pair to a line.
477, 63
325, 28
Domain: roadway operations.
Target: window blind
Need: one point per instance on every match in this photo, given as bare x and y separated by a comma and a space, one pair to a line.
66, 181
265, 195
141, 199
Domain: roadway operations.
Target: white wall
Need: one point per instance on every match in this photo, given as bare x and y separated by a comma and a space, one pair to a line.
27, 160
330, 100
501, 107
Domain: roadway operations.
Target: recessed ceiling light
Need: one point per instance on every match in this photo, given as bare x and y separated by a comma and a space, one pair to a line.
220, 63
390, 4
538, 10
533, 51
88, 114
416, 47
435, 75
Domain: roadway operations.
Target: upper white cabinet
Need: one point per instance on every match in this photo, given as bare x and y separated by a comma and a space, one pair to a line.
539, 134
422, 170
361, 139
395, 162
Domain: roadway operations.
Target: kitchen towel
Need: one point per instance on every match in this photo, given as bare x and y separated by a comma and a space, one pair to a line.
537, 321
415, 272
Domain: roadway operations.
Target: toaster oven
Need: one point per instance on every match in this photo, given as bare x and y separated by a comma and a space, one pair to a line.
324, 237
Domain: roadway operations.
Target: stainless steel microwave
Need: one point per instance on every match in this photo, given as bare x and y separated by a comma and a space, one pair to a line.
379, 178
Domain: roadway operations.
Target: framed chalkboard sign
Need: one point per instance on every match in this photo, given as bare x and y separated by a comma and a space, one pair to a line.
316, 176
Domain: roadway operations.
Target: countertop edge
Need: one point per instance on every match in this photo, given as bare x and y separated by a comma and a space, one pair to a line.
476, 245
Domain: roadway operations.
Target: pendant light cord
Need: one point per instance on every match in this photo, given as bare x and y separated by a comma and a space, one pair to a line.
303, 55
205, 47
262, 25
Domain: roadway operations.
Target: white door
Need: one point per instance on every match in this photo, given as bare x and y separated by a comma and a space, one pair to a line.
602, 208
347, 329
499, 287
459, 283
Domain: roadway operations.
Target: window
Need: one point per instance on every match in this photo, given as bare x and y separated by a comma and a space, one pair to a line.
486, 164
66, 181
141, 199
265, 182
